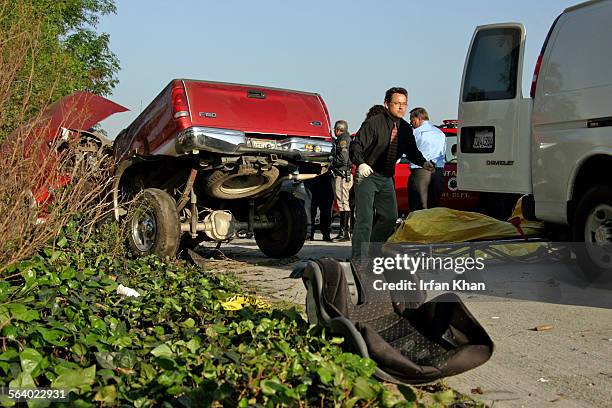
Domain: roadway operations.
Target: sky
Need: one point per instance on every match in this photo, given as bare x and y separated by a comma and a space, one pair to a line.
350, 52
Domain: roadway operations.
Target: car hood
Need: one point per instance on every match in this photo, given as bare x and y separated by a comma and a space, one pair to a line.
79, 111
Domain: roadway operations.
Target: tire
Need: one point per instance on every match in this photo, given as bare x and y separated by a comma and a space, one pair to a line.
593, 226
289, 234
246, 182
153, 225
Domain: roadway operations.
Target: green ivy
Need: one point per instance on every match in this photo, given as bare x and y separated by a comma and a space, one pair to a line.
64, 326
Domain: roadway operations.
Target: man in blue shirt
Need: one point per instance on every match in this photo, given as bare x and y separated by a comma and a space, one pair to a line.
424, 187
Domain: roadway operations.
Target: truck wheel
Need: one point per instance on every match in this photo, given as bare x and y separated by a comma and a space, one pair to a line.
153, 224
288, 235
593, 226
246, 182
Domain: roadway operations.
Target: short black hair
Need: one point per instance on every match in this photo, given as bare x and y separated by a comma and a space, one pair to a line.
394, 90
375, 110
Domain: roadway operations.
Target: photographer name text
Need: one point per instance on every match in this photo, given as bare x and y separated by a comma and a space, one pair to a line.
457, 285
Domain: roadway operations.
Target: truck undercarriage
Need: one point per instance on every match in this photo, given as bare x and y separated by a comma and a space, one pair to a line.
174, 201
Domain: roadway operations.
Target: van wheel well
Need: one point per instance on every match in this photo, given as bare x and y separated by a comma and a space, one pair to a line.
593, 172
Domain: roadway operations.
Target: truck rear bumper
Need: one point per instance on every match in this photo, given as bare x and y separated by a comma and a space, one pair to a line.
226, 141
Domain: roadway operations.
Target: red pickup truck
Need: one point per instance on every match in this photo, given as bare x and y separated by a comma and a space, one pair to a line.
208, 160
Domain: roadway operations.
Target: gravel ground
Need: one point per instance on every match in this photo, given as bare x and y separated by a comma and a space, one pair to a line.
569, 365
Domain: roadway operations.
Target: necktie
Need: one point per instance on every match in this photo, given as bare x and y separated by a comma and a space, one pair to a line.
392, 152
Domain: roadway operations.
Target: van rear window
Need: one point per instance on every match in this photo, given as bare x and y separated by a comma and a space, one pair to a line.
492, 66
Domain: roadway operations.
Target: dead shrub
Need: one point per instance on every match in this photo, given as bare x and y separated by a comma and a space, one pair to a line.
42, 188
46, 178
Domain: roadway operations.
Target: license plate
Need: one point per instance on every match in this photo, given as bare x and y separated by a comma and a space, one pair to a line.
312, 148
263, 143
483, 139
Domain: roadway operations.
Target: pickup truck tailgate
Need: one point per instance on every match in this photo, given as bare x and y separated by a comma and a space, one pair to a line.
254, 109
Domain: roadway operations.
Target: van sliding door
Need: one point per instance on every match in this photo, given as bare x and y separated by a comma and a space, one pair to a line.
494, 143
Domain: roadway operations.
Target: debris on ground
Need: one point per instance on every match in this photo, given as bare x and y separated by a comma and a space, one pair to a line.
125, 291
237, 302
543, 327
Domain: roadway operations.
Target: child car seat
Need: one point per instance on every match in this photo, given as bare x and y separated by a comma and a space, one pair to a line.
412, 342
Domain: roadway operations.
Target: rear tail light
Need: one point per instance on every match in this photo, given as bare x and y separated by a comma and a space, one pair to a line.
180, 107
536, 73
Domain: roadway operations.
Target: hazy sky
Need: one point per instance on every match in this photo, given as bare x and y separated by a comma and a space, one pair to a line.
348, 51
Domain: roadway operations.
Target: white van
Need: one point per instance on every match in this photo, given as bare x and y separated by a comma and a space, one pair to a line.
555, 146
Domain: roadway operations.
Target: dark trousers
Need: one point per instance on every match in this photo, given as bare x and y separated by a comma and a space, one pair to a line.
425, 188
375, 193
322, 192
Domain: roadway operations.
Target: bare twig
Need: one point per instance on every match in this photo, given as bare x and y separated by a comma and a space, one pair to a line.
44, 181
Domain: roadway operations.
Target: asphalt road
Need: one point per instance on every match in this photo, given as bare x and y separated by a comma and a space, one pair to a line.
568, 365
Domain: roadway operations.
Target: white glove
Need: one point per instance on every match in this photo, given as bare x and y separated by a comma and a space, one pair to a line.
364, 170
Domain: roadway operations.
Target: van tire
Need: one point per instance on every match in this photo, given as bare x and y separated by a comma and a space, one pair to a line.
593, 215
153, 225
243, 183
289, 234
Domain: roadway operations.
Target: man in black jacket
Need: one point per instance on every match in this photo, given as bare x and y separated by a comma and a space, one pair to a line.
381, 140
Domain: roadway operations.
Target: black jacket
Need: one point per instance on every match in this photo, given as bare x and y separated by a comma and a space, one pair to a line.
340, 161
371, 143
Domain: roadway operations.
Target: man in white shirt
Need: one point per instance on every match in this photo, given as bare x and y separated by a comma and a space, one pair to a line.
425, 187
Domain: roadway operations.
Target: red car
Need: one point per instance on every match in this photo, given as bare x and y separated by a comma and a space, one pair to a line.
66, 122
451, 196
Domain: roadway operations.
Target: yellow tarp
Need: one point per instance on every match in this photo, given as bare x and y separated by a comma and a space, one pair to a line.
441, 225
